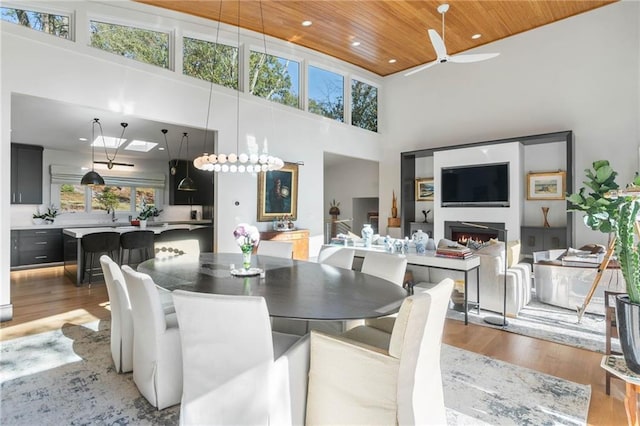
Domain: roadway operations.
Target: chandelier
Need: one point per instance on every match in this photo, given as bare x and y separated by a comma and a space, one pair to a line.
235, 161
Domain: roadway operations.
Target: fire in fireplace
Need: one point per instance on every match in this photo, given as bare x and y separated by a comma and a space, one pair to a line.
456, 231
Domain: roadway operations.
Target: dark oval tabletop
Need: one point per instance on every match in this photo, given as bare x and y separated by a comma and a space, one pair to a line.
292, 288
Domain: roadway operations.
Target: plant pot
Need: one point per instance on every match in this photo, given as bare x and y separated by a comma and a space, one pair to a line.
143, 223
628, 316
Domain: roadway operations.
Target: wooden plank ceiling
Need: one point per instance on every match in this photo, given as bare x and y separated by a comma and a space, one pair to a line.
385, 30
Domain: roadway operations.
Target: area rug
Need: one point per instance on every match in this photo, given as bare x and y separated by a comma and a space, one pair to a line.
548, 322
67, 377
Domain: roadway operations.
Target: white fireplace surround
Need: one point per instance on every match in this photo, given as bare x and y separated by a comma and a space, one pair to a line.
512, 153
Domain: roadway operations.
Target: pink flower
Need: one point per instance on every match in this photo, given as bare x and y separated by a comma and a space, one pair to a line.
246, 234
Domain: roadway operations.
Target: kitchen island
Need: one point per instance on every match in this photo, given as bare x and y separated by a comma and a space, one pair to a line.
73, 254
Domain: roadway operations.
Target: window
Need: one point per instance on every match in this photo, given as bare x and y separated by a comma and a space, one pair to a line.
145, 196
200, 57
106, 198
72, 198
57, 25
326, 91
274, 78
364, 105
151, 47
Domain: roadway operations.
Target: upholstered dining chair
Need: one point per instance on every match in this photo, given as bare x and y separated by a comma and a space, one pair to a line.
121, 320
370, 376
275, 248
391, 267
340, 257
230, 376
157, 355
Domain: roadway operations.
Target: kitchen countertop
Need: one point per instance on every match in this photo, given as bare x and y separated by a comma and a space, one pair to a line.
110, 225
80, 232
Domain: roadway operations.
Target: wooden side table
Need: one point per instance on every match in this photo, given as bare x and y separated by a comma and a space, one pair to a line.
617, 366
299, 238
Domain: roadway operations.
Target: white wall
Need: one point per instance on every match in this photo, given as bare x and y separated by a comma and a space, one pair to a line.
487, 154
578, 74
41, 65
354, 178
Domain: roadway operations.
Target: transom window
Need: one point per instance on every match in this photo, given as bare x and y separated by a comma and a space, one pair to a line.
274, 78
151, 47
364, 105
206, 60
57, 25
326, 93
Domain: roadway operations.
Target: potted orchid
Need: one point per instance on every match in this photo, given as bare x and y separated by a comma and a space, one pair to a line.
247, 237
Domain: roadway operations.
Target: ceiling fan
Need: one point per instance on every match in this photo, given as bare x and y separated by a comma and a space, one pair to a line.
441, 50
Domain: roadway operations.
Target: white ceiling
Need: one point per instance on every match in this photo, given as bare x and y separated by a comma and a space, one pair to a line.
58, 125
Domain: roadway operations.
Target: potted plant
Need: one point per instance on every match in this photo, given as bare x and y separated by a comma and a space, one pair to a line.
47, 217
611, 210
148, 211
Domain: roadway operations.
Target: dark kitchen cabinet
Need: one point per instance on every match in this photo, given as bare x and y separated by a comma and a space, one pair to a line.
34, 246
202, 196
26, 174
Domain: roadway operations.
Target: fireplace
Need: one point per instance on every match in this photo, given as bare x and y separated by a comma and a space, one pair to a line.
462, 233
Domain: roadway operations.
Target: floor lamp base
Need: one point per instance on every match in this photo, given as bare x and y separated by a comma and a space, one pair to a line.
498, 321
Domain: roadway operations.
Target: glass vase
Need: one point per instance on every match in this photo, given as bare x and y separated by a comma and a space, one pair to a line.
246, 257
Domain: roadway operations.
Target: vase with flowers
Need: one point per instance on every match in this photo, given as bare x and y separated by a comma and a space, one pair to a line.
247, 237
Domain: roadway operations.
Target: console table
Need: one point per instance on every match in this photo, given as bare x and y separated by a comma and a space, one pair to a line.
299, 238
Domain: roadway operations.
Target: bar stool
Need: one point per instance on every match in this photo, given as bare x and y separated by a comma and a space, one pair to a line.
98, 243
142, 241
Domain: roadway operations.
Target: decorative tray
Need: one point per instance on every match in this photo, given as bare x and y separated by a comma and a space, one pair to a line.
246, 272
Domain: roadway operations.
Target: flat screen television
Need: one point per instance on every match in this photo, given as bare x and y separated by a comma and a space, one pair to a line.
485, 185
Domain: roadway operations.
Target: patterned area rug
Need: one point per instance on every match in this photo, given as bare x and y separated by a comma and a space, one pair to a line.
67, 377
552, 323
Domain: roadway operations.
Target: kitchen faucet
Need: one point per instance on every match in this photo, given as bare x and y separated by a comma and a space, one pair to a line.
113, 214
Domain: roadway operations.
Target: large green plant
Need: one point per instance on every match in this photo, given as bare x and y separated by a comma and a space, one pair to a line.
608, 211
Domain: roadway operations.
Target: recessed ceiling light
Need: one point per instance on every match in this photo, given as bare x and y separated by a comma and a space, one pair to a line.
355, 43
392, 61
140, 146
83, 139
109, 142
476, 36
306, 23
160, 148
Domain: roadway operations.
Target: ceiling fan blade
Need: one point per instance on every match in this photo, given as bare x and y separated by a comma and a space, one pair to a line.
472, 58
422, 68
438, 44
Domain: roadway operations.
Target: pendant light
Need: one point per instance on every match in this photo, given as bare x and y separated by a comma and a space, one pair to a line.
236, 162
173, 164
110, 161
92, 178
186, 184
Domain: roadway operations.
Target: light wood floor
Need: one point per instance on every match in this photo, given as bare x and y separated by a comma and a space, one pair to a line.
43, 299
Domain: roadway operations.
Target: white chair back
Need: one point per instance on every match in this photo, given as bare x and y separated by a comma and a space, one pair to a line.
340, 257
275, 248
157, 356
226, 365
121, 320
391, 267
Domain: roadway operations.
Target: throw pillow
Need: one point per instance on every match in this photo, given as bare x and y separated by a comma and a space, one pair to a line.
513, 253
492, 249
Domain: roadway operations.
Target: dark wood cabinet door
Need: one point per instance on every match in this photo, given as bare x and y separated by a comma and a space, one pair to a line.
26, 174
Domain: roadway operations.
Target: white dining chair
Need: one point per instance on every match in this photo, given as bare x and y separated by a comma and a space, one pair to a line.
230, 376
392, 378
282, 249
390, 267
157, 355
340, 257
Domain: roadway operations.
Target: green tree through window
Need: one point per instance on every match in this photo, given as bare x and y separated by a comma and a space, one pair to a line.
364, 105
151, 47
57, 25
273, 78
201, 57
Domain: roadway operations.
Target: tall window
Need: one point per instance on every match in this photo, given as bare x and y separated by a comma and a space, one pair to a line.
274, 78
364, 105
326, 91
202, 58
72, 198
57, 25
151, 47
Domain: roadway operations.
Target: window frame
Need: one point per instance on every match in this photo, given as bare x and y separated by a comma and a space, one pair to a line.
302, 71
221, 41
88, 199
346, 90
69, 13
353, 78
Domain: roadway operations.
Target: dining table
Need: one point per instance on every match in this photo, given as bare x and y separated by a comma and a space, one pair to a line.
294, 289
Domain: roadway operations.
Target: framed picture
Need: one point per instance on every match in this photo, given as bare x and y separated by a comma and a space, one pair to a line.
546, 186
424, 189
278, 193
